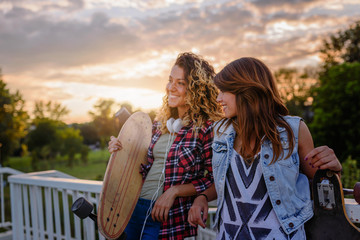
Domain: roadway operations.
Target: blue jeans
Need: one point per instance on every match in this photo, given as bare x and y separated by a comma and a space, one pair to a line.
135, 225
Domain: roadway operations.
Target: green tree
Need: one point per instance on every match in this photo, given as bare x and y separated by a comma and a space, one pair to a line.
84, 152
294, 90
51, 110
336, 110
44, 141
50, 136
103, 120
71, 143
89, 133
13, 120
342, 47
351, 173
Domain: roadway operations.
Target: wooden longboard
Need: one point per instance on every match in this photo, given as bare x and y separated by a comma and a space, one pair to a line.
122, 181
330, 219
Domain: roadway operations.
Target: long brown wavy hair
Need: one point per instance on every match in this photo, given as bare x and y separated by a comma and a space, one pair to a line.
259, 106
201, 94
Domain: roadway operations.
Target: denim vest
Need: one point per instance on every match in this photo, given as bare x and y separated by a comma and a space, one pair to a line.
288, 189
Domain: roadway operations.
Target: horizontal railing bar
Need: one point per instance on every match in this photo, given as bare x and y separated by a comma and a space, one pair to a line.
51, 173
7, 170
59, 183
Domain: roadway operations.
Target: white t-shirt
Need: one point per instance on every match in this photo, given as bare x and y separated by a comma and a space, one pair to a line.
154, 179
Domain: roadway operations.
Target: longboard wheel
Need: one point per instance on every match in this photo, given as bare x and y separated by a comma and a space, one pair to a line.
82, 208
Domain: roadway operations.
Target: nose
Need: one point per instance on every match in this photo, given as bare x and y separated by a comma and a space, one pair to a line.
171, 86
219, 98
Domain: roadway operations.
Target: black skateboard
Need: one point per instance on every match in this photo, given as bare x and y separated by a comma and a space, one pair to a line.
330, 220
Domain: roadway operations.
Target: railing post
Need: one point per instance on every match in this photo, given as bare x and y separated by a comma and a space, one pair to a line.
2, 199
25, 200
16, 212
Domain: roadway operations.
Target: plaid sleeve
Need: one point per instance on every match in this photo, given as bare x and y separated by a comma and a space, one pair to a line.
206, 136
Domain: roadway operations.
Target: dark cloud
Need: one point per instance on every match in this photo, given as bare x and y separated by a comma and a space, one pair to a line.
29, 39
216, 30
67, 36
68, 5
281, 3
222, 31
196, 27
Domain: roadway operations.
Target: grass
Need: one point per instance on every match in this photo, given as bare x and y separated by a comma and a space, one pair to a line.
93, 170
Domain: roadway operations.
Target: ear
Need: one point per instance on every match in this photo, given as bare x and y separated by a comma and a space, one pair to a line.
169, 125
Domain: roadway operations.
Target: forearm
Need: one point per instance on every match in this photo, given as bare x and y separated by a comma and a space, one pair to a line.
183, 190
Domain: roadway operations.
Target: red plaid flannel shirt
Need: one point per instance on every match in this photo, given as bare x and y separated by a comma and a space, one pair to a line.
188, 161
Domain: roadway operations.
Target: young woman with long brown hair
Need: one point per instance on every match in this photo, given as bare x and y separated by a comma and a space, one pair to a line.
262, 160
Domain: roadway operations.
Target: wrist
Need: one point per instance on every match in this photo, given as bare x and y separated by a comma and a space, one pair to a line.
173, 191
204, 195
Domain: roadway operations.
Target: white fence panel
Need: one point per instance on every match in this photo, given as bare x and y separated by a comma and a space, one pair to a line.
4, 173
41, 202
41, 206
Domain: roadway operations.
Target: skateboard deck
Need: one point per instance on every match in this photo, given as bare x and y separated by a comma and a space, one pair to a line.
123, 181
330, 219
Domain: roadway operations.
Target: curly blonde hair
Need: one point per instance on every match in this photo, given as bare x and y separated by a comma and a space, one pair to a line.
201, 94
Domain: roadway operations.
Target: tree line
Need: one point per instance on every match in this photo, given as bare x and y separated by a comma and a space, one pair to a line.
327, 97
44, 135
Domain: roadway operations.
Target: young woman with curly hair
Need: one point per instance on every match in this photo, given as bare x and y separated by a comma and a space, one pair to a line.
262, 160
179, 154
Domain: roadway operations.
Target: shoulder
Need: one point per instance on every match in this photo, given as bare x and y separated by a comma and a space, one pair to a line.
292, 119
223, 126
304, 132
205, 130
294, 122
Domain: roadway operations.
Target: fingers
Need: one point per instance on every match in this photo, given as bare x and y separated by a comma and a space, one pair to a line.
198, 213
194, 217
114, 144
323, 158
313, 153
153, 213
159, 214
205, 215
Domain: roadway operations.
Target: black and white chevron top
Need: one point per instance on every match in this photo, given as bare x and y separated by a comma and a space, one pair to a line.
247, 212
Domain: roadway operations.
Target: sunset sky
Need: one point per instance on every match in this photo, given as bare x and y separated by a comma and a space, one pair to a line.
76, 52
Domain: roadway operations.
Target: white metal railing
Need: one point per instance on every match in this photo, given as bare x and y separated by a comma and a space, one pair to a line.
41, 202
205, 234
4, 173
